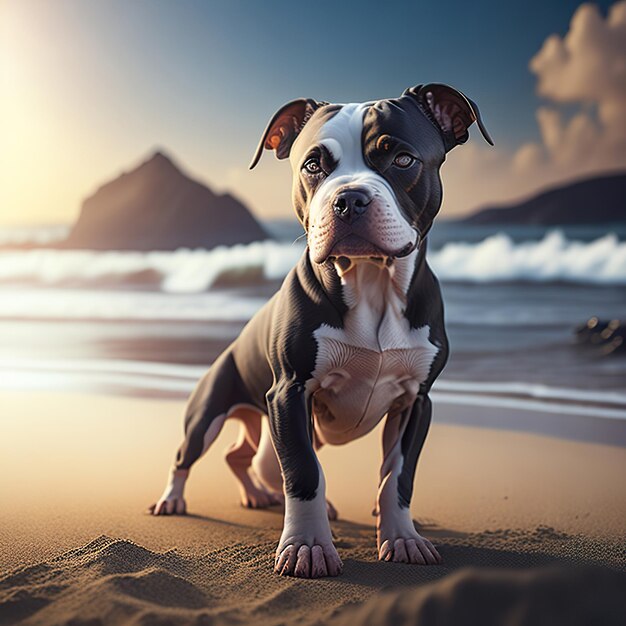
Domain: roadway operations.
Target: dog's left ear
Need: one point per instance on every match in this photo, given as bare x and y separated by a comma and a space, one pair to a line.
450, 110
284, 127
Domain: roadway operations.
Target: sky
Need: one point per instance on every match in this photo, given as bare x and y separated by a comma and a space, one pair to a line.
89, 89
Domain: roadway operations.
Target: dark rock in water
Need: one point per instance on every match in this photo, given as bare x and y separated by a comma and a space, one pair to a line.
592, 201
607, 337
157, 207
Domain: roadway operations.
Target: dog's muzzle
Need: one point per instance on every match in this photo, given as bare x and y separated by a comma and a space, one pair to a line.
359, 221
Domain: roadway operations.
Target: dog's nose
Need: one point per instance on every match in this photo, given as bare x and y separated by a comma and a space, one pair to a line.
350, 204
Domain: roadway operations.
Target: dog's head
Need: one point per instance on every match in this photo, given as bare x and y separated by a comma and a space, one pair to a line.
366, 182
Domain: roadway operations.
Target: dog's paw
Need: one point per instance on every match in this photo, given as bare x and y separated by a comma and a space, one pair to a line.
259, 498
169, 506
303, 560
171, 501
414, 549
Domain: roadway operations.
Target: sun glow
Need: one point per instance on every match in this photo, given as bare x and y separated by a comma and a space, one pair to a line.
42, 118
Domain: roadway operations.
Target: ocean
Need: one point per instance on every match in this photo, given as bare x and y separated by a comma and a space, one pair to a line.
153, 322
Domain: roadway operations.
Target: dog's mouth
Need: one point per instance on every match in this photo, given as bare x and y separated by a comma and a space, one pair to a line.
343, 264
350, 250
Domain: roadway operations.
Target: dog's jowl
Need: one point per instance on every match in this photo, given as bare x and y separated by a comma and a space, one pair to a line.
355, 335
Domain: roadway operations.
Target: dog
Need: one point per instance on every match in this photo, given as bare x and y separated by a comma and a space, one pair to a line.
354, 336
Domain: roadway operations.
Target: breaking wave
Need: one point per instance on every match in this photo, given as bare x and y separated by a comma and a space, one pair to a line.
495, 259
181, 271
553, 259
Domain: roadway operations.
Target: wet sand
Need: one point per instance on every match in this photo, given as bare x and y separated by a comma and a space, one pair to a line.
78, 471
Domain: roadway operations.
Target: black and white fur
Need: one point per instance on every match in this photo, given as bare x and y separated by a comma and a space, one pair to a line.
355, 334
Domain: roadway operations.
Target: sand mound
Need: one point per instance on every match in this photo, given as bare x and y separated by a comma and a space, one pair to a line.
106, 581
114, 581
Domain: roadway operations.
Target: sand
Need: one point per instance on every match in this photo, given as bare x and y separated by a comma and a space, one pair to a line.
76, 547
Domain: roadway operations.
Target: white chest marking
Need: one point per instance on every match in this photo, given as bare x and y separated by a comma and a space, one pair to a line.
376, 362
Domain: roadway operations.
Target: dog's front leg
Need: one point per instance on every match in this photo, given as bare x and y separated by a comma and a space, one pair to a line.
305, 548
403, 438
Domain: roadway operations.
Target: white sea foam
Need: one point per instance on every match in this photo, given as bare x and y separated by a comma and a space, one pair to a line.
528, 390
181, 271
525, 404
180, 379
496, 259
76, 304
36, 235
554, 258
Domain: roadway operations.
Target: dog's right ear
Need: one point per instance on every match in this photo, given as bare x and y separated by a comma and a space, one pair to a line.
284, 127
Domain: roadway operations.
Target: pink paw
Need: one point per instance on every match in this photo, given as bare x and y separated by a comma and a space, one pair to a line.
304, 561
259, 498
415, 550
169, 506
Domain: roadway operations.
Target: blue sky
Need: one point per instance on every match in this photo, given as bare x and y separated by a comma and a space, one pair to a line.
246, 57
110, 80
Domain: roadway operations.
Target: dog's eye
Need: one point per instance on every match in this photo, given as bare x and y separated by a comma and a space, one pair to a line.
312, 166
404, 160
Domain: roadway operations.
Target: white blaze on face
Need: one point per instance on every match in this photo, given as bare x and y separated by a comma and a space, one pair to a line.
342, 136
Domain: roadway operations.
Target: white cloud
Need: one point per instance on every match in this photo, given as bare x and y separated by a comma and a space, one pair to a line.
585, 69
588, 64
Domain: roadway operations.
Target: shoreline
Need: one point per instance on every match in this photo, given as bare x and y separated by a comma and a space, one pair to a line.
590, 416
532, 417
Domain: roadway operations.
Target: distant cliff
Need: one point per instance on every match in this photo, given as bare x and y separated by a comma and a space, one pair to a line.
157, 207
591, 201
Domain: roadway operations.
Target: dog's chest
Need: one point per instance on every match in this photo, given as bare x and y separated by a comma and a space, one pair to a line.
372, 365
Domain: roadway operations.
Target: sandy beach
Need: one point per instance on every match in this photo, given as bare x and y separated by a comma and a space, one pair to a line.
441, 214
76, 545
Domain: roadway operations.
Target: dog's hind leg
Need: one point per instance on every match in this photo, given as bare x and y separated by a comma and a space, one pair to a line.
239, 456
208, 407
265, 462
